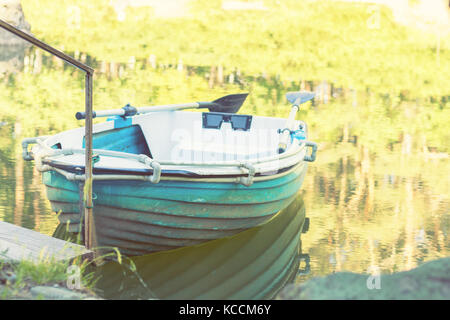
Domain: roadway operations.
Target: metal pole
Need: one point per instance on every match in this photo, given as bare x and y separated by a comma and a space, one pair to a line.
88, 218
88, 204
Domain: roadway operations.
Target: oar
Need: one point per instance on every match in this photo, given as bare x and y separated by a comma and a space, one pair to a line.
228, 104
296, 98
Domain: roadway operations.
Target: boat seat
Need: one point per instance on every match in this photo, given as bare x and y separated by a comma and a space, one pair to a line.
126, 139
214, 151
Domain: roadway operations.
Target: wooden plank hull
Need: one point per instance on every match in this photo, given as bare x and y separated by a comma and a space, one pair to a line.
140, 217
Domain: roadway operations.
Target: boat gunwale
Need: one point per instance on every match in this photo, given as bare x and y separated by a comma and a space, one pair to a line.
146, 172
45, 151
207, 179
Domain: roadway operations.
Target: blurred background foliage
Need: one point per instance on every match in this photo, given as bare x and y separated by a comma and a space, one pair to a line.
380, 186
396, 80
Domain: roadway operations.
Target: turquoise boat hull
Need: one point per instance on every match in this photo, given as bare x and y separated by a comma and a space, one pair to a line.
165, 180
139, 217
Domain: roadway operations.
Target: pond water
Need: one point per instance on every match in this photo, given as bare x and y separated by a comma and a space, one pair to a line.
376, 198
388, 211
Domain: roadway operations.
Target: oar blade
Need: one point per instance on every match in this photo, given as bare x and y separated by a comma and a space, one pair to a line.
299, 97
229, 104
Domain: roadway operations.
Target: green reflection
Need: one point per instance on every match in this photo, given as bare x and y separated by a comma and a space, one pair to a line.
254, 264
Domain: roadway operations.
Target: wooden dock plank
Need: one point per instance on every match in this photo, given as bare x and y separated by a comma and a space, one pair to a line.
17, 243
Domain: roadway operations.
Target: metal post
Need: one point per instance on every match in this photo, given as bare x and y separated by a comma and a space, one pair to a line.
88, 219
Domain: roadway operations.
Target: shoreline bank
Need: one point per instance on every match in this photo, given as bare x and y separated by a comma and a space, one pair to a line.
429, 281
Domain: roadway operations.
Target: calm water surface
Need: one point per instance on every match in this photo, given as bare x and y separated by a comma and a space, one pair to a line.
368, 206
364, 212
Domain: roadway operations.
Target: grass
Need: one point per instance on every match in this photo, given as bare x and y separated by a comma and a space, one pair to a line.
18, 277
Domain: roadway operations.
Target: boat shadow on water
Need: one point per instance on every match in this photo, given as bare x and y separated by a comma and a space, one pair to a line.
254, 264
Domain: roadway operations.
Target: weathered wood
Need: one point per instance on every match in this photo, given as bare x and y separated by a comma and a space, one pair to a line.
17, 243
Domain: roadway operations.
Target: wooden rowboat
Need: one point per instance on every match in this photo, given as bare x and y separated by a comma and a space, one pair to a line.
167, 178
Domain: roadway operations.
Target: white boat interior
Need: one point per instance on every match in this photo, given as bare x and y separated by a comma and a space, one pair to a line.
203, 143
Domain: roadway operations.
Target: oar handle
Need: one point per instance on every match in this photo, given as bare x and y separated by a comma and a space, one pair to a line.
129, 111
125, 112
82, 115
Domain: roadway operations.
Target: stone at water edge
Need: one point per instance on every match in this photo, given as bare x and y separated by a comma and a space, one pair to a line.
52, 293
430, 281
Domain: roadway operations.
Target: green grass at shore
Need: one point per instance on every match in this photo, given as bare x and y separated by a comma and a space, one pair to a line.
18, 277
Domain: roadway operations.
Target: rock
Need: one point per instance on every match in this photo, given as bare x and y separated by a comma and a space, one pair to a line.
6, 276
430, 281
53, 293
12, 48
12, 13
11, 58
6, 293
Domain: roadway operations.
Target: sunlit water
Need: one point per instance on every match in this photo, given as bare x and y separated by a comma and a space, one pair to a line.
362, 215
388, 209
